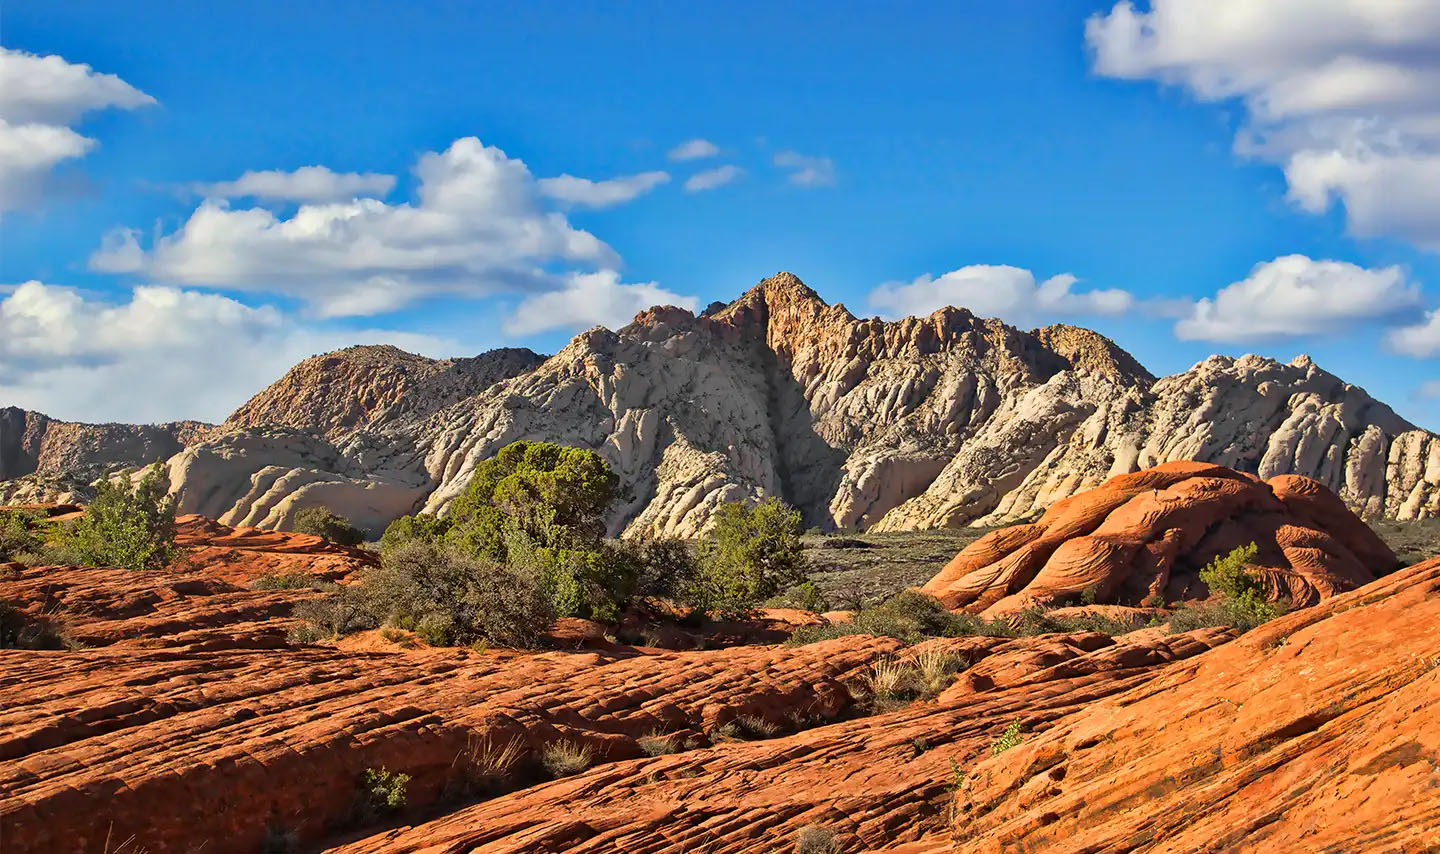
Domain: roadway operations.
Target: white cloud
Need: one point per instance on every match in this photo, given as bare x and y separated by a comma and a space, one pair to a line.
584, 192
306, 184
1421, 340
1010, 293
807, 171
478, 228
591, 299
1343, 94
1429, 390
695, 149
40, 96
709, 179
165, 355
1296, 295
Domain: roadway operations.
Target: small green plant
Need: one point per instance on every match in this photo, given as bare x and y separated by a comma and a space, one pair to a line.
804, 597
1008, 739
129, 524
382, 791
320, 522
287, 581
814, 839
565, 758
1243, 603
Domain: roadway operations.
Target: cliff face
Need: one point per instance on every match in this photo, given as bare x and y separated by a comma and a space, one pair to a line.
937, 421
35, 444
337, 393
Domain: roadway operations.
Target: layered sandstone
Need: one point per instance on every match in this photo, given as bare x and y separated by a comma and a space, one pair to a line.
1142, 538
33, 443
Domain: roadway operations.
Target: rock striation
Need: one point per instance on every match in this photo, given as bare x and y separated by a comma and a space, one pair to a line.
941, 421
1142, 538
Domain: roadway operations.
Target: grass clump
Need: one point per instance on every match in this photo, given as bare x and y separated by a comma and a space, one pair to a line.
565, 758
814, 839
487, 767
320, 522
130, 524
658, 744
1008, 739
20, 630
381, 792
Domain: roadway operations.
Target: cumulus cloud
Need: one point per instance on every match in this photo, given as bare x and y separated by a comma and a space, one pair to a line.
709, 179
806, 171
40, 97
1343, 95
1296, 295
583, 192
695, 149
306, 184
1421, 340
591, 299
477, 228
165, 354
1009, 293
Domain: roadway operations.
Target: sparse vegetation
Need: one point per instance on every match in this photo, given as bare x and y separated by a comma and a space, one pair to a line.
488, 767
381, 792
320, 522
565, 758
129, 524
658, 744
288, 581
752, 554
18, 535
20, 630
814, 839
1008, 739
1242, 601
896, 682
803, 597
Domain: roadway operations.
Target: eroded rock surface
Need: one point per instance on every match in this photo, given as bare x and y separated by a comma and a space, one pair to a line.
940, 421
1142, 538
33, 443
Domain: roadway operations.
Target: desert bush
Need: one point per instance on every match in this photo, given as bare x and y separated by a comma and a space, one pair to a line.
752, 554
1008, 739
487, 767
664, 568
342, 610
129, 524
18, 535
565, 758
1242, 603
449, 597
814, 839
803, 597
425, 527
320, 522
658, 744
380, 792
287, 581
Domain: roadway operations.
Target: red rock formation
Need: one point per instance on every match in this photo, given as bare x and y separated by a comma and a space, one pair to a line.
1143, 537
1319, 731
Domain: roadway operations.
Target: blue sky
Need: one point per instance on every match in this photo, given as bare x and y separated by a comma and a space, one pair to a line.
867, 145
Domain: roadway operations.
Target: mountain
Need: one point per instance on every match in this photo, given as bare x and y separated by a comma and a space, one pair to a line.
944, 420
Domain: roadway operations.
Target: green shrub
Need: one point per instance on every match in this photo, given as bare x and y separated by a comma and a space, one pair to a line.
381, 791
594, 581
664, 568
425, 527
344, 609
1243, 604
451, 598
752, 554
129, 524
542, 488
18, 535
803, 597
320, 522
